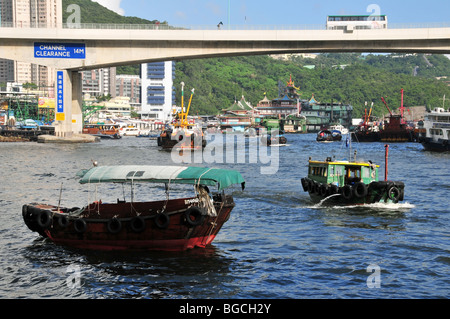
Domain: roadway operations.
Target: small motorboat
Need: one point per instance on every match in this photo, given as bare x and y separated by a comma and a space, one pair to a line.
328, 136
102, 130
350, 183
274, 138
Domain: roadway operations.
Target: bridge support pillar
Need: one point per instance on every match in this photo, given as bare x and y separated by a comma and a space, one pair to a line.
69, 101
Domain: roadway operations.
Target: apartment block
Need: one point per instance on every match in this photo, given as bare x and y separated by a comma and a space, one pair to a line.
25, 14
157, 90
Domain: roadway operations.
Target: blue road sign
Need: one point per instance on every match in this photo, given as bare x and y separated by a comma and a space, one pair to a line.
60, 50
60, 92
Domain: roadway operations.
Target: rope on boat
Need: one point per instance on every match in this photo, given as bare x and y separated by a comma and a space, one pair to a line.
167, 186
214, 224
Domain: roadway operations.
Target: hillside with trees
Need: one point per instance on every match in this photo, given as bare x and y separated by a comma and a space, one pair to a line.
219, 81
350, 78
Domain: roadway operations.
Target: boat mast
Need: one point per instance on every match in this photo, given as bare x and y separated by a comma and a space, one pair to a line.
402, 120
401, 104
365, 114
386, 161
181, 113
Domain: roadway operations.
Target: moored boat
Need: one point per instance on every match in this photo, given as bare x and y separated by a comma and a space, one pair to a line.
273, 138
367, 132
181, 138
167, 224
350, 183
102, 130
394, 129
340, 128
182, 135
328, 136
436, 137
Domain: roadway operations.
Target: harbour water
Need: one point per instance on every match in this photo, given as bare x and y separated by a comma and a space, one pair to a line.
276, 244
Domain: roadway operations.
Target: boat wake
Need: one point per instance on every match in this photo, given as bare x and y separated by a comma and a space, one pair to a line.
325, 199
388, 206
274, 145
374, 206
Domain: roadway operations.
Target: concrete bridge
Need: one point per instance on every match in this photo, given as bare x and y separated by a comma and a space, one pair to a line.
71, 50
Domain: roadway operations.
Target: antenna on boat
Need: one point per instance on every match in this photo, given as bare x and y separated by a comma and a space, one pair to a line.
349, 145
60, 193
182, 102
386, 161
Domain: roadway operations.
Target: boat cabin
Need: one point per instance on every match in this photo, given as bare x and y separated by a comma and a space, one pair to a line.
342, 173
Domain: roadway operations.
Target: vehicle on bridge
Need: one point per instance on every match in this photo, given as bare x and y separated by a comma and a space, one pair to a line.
356, 22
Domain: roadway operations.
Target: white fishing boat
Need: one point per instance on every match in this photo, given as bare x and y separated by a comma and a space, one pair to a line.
340, 128
437, 131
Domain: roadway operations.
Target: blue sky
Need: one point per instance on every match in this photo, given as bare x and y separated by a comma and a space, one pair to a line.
272, 12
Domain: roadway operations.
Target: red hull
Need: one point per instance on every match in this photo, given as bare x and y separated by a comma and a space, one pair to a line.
130, 245
126, 226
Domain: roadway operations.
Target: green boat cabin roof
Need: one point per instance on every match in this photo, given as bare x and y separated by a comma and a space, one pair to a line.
162, 174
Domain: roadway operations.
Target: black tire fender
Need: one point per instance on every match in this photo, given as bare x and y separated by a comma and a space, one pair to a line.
137, 224
162, 220
360, 190
347, 191
194, 216
323, 190
63, 221
394, 194
334, 189
114, 225
304, 184
44, 219
310, 186
315, 188
80, 225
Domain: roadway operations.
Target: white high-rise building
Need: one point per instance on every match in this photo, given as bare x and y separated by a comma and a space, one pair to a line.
24, 14
157, 90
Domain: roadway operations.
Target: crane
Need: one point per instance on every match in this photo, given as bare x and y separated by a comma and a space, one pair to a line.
382, 99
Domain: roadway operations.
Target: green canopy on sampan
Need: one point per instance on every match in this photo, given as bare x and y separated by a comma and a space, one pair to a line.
162, 174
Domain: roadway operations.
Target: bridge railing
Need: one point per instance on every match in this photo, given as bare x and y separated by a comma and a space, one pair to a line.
112, 26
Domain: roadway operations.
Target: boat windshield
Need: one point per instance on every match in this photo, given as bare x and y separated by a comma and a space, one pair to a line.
352, 174
318, 170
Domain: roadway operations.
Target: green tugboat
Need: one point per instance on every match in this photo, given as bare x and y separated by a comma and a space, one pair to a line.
350, 183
